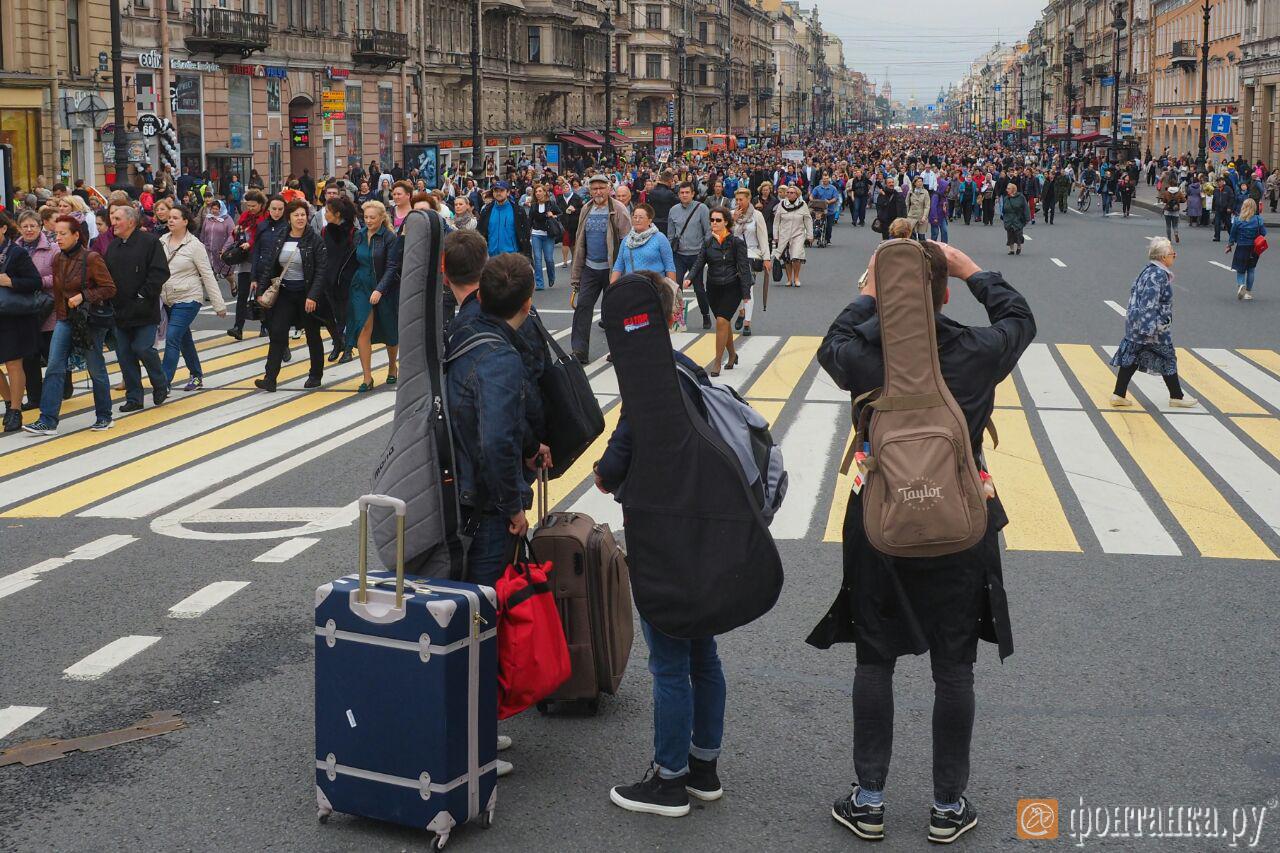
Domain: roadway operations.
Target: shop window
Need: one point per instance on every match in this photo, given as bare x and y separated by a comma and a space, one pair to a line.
385, 119
21, 129
239, 111
355, 133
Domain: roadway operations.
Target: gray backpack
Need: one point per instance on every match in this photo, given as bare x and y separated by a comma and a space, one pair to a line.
747, 432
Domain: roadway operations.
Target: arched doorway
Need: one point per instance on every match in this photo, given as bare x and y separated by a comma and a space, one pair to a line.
303, 132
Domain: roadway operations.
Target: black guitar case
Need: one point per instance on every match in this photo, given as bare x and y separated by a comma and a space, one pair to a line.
701, 557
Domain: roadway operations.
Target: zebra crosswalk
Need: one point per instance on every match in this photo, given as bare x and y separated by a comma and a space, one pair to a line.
1076, 476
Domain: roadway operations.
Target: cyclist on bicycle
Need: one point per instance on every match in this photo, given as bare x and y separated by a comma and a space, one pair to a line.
1088, 182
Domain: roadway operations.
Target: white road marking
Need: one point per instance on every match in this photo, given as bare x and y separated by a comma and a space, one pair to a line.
1252, 378
1058, 262
1221, 265
203, 600
806, 447
30, 576
173, 523
1250, 477
101, 547
1025, 237
286, 550
108, 658
15, 716
1046, 385
1071, 208
1118, 308
1117, 512
753, 354
824, 389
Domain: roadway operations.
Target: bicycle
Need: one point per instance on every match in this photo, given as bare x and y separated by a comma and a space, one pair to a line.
1085, 199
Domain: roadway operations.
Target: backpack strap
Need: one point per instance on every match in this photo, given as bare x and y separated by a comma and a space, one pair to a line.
472, 343
991, 431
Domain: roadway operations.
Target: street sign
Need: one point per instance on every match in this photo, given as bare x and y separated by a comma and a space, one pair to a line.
1126, 124
149, 125
1109, 80
671, 112
1217, 143
1021, 124
102, 61
622, 122
998, 88
1220, 123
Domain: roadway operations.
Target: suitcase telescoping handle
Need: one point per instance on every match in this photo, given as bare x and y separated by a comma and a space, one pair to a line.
398, 506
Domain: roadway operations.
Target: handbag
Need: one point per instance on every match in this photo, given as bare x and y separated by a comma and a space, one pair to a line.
877, 226
14, 304
533, 655
268, 297
574, 419
235, 254
555, 230
97, 315
1260, 245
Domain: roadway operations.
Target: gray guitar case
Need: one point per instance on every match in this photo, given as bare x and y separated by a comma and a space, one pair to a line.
417, 466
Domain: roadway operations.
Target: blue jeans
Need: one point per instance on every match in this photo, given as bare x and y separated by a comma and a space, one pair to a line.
59, 351
688, 700
1106, 202
134, 345
492, 548
860, 210
1246, 278
544, 254
178, 340
938, 231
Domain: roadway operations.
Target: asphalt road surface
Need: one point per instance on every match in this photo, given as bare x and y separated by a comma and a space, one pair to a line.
1141, 572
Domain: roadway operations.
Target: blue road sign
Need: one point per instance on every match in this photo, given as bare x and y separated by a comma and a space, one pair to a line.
1220, 123
1217, 143
998, 89
1109, 80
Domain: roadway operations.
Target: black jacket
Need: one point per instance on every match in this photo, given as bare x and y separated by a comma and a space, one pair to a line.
264, 247
524, 237
314, 261
139, 269
662, 198
892, 606
726, 264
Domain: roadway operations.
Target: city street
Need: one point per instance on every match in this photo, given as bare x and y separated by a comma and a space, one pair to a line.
170, 564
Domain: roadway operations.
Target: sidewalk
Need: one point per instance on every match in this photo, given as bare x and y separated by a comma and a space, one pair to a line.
1145, 197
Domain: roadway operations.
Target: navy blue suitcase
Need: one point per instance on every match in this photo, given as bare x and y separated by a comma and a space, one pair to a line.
406, 696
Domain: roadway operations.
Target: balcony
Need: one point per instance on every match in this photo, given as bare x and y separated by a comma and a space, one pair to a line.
380, 47
1184, 54
1101, 69
220, 31
764, 93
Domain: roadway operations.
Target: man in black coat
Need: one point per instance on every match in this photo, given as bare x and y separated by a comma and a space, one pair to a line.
1224, 204
891, 606
662, 198
139, 269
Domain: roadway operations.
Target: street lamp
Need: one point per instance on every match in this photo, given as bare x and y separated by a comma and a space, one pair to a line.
1118, 25
1044, 64
477, 145
1069, 58
120, 142
677, 144
728, 106
608, 28
780, 99
1204, 87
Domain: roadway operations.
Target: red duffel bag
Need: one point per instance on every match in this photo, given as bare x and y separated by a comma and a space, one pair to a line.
533, 657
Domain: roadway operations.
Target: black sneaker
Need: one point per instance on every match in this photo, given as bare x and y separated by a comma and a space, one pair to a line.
160, 395
737, 324
702, 781
706, 322
581, 357
131, 406
945, 825
265, 384
654, 795
866, 822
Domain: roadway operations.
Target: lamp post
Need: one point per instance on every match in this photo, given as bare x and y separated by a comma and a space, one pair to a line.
1069, 58
1118, 24
1043, 64
780, 97
1022, 72
677, 144
477, 144
728, 81
608, 28
1204, 87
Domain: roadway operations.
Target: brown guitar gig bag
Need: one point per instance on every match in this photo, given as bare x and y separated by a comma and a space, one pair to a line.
923, 496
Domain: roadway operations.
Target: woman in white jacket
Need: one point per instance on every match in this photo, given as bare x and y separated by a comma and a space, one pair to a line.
191, 282
750, 227
792, 230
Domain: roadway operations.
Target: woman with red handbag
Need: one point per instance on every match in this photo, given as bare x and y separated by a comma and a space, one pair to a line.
1248, 240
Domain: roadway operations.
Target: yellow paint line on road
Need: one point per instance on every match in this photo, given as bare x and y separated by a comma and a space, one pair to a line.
780, 377
1265, 431
79, 495
1007, 394
1265, 357
1037, 521
1215, 528
201, 346
840, 498
1212, 388
1093, 373
564, 485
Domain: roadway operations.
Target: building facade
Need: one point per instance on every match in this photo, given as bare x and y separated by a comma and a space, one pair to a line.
1257, 137
1176, 69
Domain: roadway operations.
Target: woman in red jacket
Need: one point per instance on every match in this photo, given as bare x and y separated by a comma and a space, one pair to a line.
245, 232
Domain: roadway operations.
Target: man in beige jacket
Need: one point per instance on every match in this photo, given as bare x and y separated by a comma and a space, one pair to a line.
601, 227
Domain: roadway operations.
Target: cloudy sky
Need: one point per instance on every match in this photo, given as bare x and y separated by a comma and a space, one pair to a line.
927, 44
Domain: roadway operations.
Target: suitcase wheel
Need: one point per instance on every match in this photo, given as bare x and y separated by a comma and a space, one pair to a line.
591, 706
323, 815
544, 708
438, 843
485, 820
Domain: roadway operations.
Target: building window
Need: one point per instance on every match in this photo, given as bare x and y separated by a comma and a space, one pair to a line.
704, 75
239, 110
385, 117
188, 116
144, 86
535, 44
653, 16
73, 37
21, 129
702, 33
273, 94
355, 115
653, 66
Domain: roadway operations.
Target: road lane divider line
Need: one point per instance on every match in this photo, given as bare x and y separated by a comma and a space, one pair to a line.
1221, 265
107, 658
807, 448
1058, 262
1046, 385
1037, 521
1214, 527
1252, 378
1116, 510
1116, 307
783, 373
1243, 470
15, 717
286, 550
1093, 373
203, 600
30, 576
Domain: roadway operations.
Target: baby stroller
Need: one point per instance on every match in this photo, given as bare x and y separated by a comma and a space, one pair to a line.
818, 210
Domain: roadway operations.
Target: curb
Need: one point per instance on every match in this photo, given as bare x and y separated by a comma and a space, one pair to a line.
1155, 207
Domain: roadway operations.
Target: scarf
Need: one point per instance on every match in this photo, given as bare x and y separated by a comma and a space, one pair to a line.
464, 221
636, 239
789, 207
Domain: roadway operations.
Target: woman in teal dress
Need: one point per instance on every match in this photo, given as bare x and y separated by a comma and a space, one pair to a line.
373, 311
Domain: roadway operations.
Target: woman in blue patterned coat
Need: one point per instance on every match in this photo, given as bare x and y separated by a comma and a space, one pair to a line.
1148, 329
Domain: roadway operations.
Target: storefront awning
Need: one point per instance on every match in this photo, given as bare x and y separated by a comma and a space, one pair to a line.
1089, 137
598, 138
574, 139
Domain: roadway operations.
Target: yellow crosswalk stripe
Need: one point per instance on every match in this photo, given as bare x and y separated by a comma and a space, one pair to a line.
201, 346
702, 350
1007, 394
1036, 518
1093, 373
79, 495
1265, 431
834, 531
781, 375
1265, 357
564, 485
1214, 527
1212, 388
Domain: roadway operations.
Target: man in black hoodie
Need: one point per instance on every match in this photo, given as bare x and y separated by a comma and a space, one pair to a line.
139, 269
662, 198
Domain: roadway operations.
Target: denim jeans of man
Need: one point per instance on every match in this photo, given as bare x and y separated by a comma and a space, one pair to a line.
492, 546
938, 230
860, 210
54, 376
544, 256
135, 349
953, 712
1106, 202
688, 700
178, 340
1170, 225
684, 263
590, 288
828, 222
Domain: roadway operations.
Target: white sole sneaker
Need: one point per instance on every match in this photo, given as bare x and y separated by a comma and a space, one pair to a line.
705, 796
1248, 297
504, 768
504, 742
1120, 402
938, 838
1184, 403
646, 808
1240, 292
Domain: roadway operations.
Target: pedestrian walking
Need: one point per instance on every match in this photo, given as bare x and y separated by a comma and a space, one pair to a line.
19, 333
339, 236
1148, 329
749, 226
724, 257
297, 258
1171, 199
1195, 201
190, 284
1242, 244
545, 232
1124, 190
245, 235
373, 302
138, 267
792, 231
1015, 215
645, 247
43, 252
1224, 206
918, 204
603, 224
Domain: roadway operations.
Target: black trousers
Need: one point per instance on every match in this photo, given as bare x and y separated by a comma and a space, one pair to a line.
590, 289
242, 298
966, 208
1125, 374
290, 311
684, 263
953, 713
1050, 210
1221, 219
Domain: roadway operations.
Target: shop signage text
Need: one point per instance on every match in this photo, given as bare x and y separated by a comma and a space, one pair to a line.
300, 131
153, 59
337, 73
333, 104
259, 70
